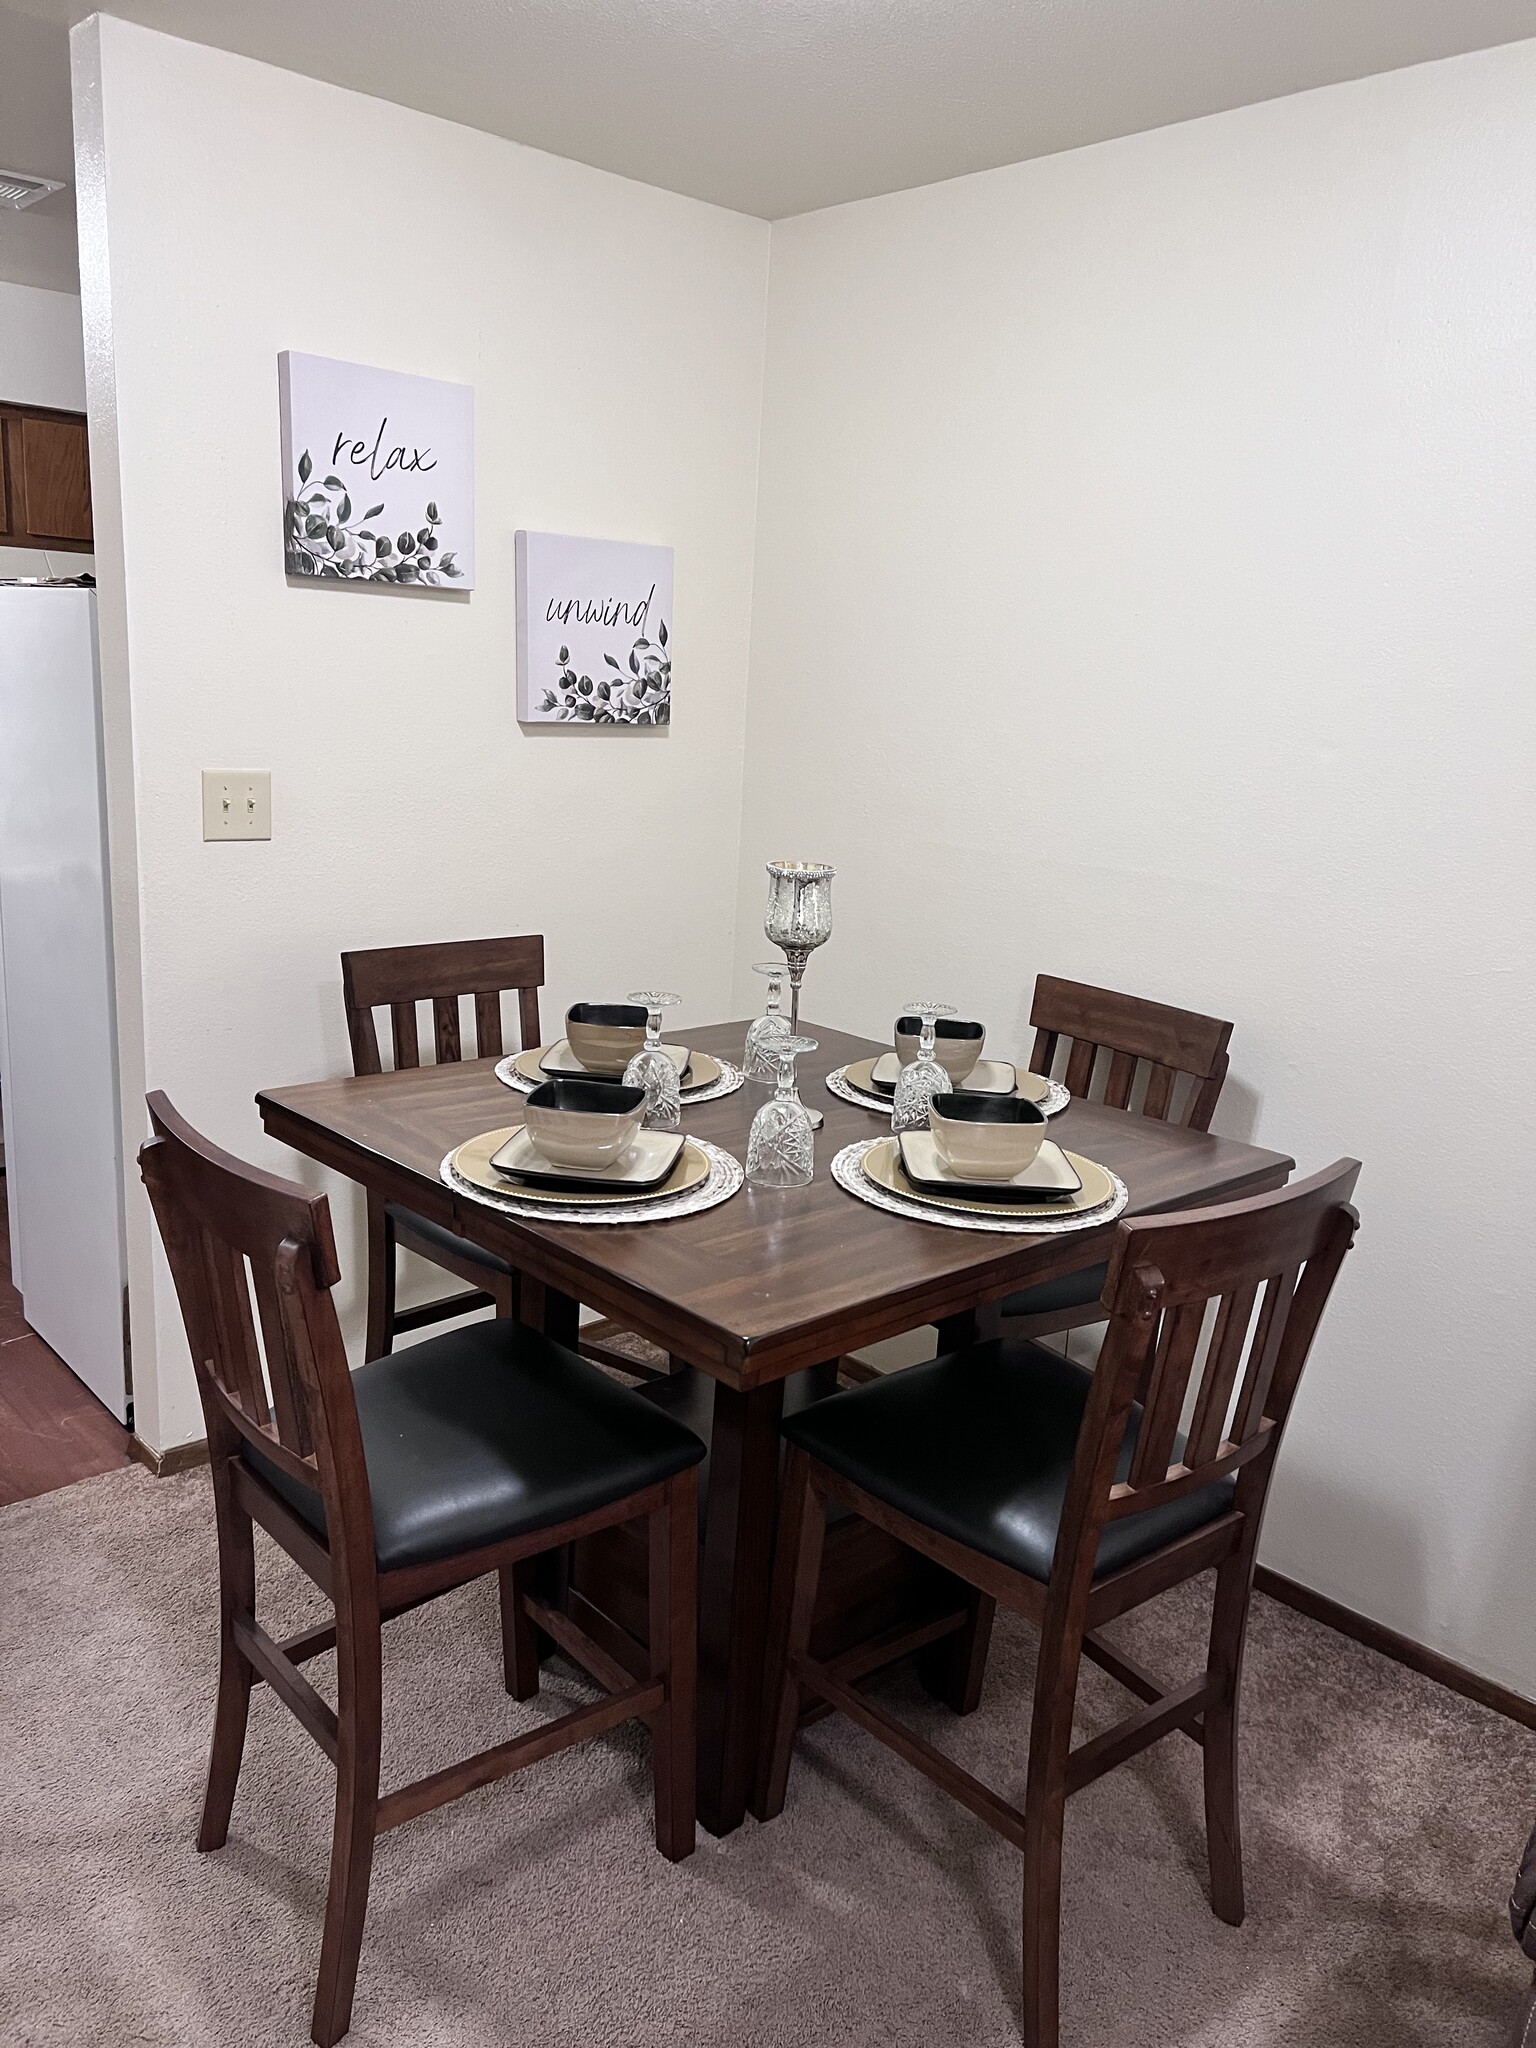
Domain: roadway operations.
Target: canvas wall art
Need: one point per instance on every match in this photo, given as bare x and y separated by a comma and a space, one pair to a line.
378, 475
594, 631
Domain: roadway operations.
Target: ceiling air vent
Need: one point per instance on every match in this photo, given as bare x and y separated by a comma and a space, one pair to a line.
20, 188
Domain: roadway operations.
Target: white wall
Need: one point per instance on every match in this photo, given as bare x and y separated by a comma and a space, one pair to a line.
614, 338
1145, 593
42, 355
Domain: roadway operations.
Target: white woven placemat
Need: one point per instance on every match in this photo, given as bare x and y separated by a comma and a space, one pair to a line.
725, 1177
848, 1172
1053, 1104
731, 1078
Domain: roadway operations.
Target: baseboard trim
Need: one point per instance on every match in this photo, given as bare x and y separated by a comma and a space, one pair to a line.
165, 1464
1401, 1649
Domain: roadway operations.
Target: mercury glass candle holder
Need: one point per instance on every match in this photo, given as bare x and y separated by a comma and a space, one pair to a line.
797, 921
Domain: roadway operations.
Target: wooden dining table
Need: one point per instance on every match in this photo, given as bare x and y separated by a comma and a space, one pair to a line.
770, 1284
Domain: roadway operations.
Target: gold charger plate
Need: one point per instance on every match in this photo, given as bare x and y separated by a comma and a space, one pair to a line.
473, 1162
703, 1072
1030, 1087
882, 1165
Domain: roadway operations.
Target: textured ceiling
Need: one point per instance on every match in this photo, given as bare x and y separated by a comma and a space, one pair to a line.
777, 106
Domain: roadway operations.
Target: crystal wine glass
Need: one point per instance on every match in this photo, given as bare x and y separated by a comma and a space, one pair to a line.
654, 1070
917, 1084
771, 1026
781, 1146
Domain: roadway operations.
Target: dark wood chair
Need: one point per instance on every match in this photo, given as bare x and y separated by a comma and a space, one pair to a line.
1130, 1054
446, 976
399, 978
1072, 1497
487, 1449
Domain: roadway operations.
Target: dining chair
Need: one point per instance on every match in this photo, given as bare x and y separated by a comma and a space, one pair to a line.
1073, 1496
481, 1450
446, 975
1129, 1054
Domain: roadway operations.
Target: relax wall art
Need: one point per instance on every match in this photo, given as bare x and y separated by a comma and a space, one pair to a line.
378, 474
594, 631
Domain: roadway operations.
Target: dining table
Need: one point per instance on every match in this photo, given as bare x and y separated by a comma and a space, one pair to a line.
771, 1284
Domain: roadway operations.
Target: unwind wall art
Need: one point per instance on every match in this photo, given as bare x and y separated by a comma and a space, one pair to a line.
594, 631
378, 475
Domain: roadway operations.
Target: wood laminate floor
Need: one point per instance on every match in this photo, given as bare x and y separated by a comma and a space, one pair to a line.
53, 1430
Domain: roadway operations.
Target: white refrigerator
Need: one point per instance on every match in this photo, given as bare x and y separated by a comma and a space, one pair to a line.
58, 1039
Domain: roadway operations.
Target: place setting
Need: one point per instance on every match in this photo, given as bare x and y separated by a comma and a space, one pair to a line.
621, 1043
959, 1044
592, 1151
971, 1158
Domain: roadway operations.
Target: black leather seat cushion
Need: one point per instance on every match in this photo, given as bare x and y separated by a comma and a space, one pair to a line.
1067, 1290
443, 1238
979, 1446
490, 1432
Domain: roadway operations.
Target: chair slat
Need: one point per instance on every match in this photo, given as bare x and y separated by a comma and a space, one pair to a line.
1220, 1375
1159, 1096
290, 1403
1042, 1056
445, 1029
1122, 1076
1080, 1066
402, 1024
1165, 1395
364, 1035
1279, 1293
488, 1042
528, 1017
236, 1362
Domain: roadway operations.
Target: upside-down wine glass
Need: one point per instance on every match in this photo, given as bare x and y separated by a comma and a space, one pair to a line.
798, 920
917, 1084
769, 1027
781, 1146
654, 1070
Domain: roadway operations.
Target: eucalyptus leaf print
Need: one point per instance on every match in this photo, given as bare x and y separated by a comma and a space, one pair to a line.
638, 692
325, 536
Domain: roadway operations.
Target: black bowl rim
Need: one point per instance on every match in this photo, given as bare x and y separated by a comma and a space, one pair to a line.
908, 1026
608, 1013
595, 1098
978, 1107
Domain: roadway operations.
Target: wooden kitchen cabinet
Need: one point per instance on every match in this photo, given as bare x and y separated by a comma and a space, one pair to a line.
45, 480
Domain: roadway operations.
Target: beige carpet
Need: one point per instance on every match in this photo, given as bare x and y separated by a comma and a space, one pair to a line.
1383, 1821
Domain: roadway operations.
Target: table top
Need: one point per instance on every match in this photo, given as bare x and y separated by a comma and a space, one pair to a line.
772, 1280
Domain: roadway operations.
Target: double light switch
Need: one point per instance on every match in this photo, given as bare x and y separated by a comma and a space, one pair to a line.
237, 803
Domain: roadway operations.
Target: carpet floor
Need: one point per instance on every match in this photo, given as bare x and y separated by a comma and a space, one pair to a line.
1383, 1821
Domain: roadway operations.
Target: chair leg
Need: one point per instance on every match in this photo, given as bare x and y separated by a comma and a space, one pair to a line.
503, 1292
796, 1575
359, 1716
1223, 1829
1045, 1803
380, 1337
237, 1595
674, 1605
953, 1668
519, 1637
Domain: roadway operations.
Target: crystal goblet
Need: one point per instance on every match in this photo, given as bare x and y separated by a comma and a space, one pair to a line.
917, 1084
772, 1025
654, 1070
781, 1146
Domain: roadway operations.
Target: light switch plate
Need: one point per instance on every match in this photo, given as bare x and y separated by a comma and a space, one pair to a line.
237, 803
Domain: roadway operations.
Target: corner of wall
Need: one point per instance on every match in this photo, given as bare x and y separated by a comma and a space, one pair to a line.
116, 708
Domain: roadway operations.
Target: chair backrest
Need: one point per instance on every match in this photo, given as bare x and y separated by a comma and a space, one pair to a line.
230, 1230
1220, 1304
1094, 1021
403, 976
